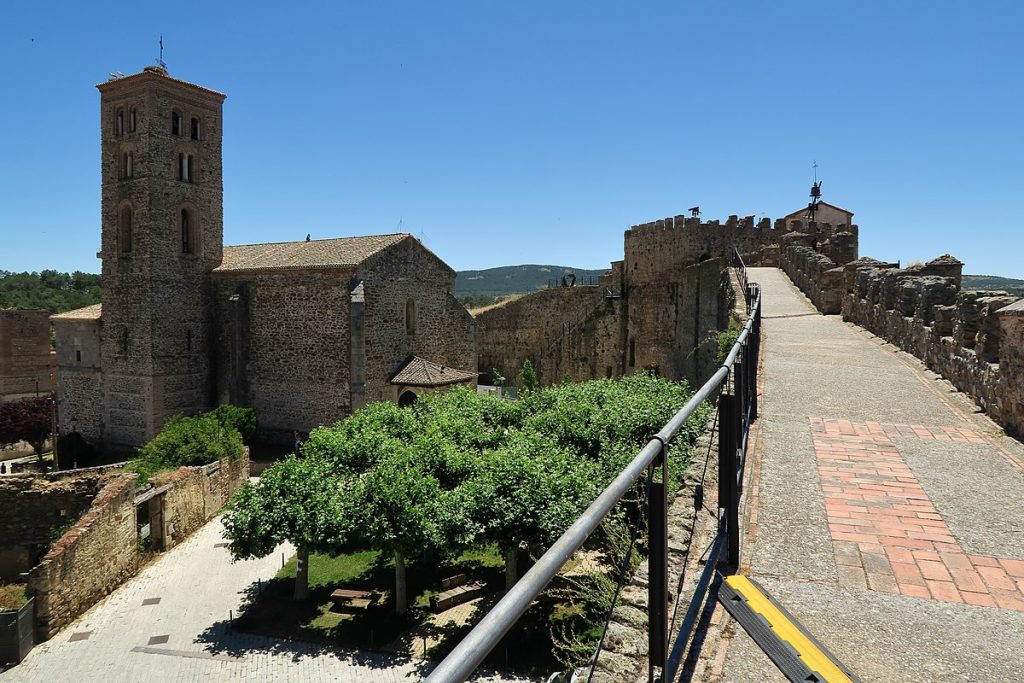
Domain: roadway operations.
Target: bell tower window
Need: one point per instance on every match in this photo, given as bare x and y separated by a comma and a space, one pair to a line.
119, 122
127, 164
175, 124
195, 128
132, 120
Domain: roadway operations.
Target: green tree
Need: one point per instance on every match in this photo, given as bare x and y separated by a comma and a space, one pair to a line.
528, 376
401, 514
300, 500
527, 494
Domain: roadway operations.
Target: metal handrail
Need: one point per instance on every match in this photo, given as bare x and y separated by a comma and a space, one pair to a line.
467, 655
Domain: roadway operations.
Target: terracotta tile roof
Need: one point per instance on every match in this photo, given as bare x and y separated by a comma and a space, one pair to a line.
332, 253
153, 72
87, 313
418, 372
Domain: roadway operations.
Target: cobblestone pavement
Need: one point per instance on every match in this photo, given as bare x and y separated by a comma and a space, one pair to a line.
886, 511
170, 623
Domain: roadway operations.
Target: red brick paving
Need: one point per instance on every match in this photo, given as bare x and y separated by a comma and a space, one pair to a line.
886, 532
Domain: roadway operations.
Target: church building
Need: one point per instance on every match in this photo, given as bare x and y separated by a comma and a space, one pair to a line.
303, 332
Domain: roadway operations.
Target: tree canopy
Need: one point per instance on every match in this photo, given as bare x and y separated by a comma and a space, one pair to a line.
456, 469
49, 289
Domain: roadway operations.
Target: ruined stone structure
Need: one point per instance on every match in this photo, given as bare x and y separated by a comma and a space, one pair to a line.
25, 360
659, 307
303, 332
974, 339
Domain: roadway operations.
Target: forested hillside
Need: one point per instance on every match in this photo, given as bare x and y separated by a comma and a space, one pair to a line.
1008, 284
50, 290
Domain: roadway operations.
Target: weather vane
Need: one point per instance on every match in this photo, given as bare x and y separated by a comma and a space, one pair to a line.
812, 208
160, 59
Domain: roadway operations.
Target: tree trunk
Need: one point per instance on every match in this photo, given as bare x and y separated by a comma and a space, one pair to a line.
401, 599
301, 575
511, 568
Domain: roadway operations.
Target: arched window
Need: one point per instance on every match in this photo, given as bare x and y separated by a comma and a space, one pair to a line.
176, 124
127, 163
189, 177
132, 120
195, 128
410, 316
119, 122
181, 166
189, 229
124, 237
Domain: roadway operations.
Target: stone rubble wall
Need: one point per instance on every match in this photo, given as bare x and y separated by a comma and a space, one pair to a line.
813, 256
101, 551
32, 508
92, 559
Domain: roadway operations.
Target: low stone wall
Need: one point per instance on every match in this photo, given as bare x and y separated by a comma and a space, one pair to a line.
101, 550
92, 559
815, 265
197, 494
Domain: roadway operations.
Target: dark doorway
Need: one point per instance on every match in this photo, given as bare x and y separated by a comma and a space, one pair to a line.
407, 399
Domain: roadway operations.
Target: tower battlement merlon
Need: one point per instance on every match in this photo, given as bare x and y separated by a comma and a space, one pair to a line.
680, 222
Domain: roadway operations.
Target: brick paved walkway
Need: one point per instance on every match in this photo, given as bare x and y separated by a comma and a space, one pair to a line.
886, 532
885, 511
169, 623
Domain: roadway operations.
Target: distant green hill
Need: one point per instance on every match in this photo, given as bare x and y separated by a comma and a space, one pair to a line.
497, 282
1009, 284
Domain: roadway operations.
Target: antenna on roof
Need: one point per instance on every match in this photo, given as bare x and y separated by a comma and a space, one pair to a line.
812, 207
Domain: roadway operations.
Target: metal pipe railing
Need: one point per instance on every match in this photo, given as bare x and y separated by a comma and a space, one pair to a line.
486, 635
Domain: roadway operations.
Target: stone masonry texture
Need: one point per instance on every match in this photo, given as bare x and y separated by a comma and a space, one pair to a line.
24, 353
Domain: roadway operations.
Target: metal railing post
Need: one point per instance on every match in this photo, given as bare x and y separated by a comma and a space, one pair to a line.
657, 569
728, 498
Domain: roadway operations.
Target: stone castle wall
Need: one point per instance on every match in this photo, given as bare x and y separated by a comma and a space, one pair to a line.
558, 329
24, 354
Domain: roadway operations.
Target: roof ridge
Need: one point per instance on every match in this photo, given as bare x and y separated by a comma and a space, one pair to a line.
324, 239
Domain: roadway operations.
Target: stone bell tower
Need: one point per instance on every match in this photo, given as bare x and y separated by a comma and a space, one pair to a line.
162, 235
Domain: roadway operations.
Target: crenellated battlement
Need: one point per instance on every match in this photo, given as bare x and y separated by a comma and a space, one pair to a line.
655, 250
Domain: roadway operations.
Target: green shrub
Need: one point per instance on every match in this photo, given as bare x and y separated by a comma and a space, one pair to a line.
242, 419
187, 441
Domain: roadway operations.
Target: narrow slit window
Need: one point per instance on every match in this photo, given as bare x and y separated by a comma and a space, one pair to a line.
119, 122
132, 120
188, 340
125, 238
129, 162
410, 316
78, 355
181, 167
188, 170
186, 232
195, 128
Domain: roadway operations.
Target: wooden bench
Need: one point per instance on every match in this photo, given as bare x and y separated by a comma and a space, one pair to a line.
346, 597
457, 591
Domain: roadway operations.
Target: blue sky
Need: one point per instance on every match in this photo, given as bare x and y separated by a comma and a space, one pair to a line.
536, 132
